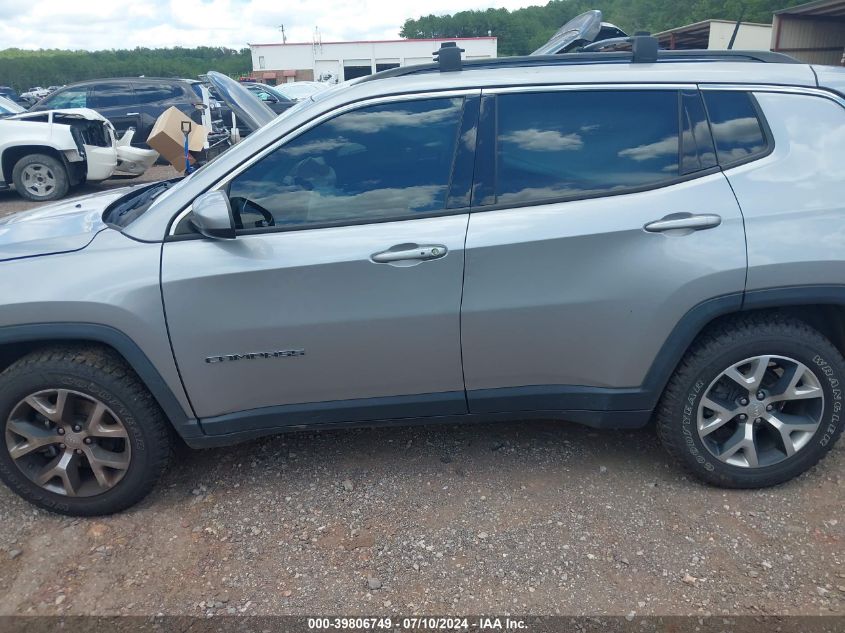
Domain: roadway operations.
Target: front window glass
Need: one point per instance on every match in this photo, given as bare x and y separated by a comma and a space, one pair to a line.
70, 98
377, 162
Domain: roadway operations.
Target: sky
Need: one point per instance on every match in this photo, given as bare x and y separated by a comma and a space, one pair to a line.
102, 24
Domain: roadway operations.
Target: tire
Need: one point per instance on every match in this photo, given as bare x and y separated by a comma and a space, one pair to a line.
685, 424
132, 434
28, 169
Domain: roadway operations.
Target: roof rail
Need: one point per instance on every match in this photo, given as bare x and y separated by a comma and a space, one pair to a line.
576, 59
448, 57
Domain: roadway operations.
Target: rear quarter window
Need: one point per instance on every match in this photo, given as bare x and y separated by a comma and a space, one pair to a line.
738, 132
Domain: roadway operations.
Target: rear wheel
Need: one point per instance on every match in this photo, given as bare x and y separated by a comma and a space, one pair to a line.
40, 177
754, 403
81, 435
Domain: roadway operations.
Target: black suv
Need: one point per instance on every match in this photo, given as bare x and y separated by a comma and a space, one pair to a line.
127, 102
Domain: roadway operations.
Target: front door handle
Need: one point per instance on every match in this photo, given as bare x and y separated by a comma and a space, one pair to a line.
410, 253
132, 113
686, 222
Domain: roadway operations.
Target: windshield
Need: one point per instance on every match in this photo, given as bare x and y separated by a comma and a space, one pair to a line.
263, 89
272, 90
8, 106
127, 209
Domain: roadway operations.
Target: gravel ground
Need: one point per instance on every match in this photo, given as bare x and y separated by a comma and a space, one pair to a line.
10, 201
531, 518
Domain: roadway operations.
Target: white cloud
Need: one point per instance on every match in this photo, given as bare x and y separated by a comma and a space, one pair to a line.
235, 23
668, 146
544, 140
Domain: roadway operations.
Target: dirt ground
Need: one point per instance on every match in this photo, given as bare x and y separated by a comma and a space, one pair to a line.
529, 518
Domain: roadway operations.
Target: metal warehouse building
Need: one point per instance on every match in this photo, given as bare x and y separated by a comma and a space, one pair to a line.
812, 32
279, 63
716, 35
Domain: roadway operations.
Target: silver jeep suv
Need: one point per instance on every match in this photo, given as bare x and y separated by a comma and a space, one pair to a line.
604, 238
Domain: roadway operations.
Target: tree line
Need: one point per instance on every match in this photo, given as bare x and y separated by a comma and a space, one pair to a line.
524, 30
23, 69
519, 32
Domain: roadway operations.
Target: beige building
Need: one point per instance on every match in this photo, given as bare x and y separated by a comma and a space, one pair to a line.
339, 61
715, 35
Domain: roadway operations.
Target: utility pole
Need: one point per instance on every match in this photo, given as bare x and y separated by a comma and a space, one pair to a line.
284, 37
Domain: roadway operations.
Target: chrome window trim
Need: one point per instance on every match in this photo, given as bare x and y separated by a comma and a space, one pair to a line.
812, 92
291, 135
588, 86
817, 92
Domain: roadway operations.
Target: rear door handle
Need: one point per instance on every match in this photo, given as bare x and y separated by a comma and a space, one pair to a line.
684, 222
410, 253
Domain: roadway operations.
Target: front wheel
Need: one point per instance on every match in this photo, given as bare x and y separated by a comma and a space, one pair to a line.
80, 435
755, 402
40, 177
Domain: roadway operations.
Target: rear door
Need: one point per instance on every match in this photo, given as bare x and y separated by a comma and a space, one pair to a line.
339, 299
594, 232
116, 101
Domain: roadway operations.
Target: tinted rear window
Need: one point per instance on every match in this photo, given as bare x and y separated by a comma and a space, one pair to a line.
575, 143
736, 126
153, 92
109, 95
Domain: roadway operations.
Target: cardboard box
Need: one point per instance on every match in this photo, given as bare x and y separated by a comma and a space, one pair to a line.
169, 141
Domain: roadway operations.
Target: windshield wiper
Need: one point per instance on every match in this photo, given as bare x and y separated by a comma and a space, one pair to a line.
127, 211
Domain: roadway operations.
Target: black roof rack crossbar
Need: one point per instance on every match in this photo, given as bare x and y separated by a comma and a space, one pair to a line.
577, 59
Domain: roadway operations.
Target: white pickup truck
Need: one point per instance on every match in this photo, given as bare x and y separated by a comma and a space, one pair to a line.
44, 154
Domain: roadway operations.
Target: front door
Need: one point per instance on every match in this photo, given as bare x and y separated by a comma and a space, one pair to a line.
339, 300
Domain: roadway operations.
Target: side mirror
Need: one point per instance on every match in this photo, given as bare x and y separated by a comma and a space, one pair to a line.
211, 215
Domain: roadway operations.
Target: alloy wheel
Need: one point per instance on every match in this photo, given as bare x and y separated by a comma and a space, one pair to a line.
760, 411
68, 443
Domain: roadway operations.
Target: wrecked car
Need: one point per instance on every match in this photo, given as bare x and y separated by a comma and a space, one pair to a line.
585, 29
45, 154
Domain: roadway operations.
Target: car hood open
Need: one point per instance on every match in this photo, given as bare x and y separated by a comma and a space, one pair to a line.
249, 109
581, 29
64, 227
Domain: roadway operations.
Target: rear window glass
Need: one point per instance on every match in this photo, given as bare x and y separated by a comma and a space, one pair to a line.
110, 95
154, 92
576, 143
736, 126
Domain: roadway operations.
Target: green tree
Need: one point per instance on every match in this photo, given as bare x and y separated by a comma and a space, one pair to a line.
23, 69
523, 30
